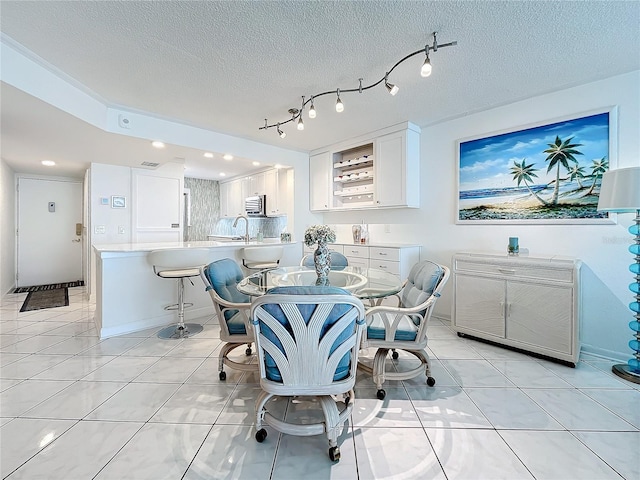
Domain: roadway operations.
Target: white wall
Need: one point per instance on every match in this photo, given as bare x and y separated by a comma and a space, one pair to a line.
7, 228
602, 248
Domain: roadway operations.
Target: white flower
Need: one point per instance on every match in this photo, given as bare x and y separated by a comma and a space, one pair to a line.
319, 234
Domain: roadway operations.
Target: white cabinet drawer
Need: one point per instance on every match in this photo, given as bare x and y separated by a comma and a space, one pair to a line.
332, 248
391, 267
383, 253
514, 270
358, 262
356, 251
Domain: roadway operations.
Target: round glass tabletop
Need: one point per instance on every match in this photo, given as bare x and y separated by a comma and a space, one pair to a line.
365, 283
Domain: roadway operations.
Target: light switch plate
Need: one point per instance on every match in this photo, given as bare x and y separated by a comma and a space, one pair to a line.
121, 229
99, 229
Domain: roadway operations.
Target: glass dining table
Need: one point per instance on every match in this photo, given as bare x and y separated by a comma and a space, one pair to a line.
365, 283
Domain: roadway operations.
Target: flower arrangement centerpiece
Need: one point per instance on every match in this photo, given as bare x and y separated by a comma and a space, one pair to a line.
320, 234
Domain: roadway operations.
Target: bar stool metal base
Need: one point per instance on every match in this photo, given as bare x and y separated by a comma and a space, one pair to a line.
176, 332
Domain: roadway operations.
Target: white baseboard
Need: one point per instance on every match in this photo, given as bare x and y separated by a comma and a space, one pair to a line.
605, 354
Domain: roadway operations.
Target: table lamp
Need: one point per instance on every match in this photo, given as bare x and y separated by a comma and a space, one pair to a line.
620, 192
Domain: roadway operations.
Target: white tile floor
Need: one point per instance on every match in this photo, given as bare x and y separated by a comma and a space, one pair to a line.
73, 407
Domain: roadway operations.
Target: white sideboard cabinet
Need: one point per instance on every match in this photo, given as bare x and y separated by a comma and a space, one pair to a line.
528, 303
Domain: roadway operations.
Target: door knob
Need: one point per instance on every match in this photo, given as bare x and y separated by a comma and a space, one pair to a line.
77, 240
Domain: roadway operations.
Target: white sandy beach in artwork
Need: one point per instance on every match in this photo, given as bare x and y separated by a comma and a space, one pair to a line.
572, 203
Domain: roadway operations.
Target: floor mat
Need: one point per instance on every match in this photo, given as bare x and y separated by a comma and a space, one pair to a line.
52, 286
58, 297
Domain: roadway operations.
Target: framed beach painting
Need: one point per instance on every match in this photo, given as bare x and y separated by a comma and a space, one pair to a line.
545, 173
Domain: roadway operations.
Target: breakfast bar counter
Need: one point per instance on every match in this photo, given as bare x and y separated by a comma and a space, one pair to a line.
130, 297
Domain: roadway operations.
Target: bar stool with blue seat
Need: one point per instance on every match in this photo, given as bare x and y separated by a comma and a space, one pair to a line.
178, 264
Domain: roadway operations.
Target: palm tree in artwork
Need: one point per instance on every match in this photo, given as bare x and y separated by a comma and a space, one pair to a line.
597, 169
560, 153
523, 174
576, 172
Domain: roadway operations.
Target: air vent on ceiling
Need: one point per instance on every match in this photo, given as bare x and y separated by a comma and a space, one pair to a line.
149, 164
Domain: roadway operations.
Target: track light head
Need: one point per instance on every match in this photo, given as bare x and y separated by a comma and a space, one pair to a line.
425, 71
339, 104
280, 132
300, 123
393, 89
312, 110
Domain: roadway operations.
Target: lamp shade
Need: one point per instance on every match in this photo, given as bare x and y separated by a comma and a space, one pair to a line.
620, 190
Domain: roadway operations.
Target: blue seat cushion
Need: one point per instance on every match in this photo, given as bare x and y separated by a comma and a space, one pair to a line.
421, 282
406, 331
306, 311
235, 324
224, 276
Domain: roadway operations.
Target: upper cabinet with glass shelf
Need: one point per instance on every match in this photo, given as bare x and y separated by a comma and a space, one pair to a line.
381, 170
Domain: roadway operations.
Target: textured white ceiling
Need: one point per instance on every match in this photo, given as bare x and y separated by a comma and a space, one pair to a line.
226, 66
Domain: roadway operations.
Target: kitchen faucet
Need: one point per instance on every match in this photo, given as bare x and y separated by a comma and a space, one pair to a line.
246, 230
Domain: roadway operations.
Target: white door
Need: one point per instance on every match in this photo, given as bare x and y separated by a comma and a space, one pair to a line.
49, 248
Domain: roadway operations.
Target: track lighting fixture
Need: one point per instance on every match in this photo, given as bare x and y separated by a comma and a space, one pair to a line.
393, 89
296, 115
339, 104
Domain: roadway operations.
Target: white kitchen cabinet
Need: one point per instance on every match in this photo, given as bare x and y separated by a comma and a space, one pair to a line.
256, 184
272, 191
224, 199
237, 189
398, 167
319, 177
273, 183
377, 171
528, 303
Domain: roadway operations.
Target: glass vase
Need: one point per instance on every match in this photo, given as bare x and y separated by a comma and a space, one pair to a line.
322, 262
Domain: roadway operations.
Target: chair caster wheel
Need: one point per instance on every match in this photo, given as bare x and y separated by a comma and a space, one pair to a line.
223, 376
381, 394
261, 435
431, 381
248, 352
394, 355
334, 454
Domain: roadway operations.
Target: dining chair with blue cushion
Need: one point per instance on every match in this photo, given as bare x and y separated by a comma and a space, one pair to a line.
307, 339
232, 308
337, 260
404, 327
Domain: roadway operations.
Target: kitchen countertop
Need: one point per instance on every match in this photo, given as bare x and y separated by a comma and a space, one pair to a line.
147, 247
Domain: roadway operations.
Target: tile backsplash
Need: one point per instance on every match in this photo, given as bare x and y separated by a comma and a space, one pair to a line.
205, 215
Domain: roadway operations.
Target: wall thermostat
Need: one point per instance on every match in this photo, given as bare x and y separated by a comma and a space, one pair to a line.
52, 206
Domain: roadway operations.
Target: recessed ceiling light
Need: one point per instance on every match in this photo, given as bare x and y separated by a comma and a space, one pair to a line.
208, 155
157, 144
222, 174
227, 156
48, 163
255, 164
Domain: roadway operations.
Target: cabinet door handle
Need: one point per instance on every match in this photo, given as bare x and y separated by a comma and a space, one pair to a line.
383, 254
506, 270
